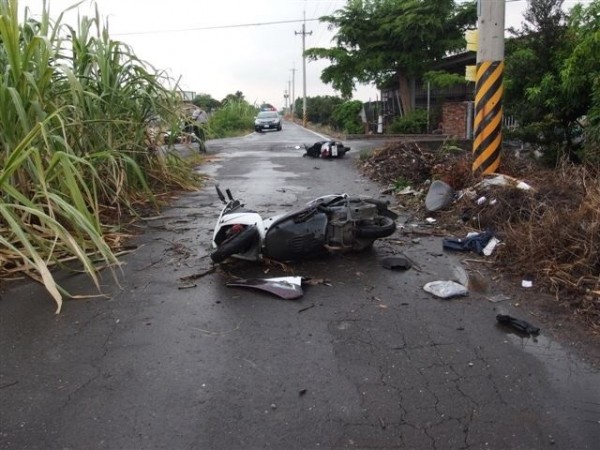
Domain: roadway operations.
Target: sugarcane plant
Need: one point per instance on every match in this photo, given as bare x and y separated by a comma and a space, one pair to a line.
76, 148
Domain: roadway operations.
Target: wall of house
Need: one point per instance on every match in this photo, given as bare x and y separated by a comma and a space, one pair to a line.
454, 117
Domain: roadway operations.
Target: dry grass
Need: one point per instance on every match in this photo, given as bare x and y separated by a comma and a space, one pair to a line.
551, 232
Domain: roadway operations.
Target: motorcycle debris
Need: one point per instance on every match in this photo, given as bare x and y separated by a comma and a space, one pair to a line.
288, 288
498, 298
518, 324
312, 305
315, 281
439, 196
396, 263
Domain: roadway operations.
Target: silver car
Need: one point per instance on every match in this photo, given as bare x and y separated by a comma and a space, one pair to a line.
267, 120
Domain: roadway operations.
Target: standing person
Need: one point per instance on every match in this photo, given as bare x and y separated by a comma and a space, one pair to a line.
188, 129
200, 118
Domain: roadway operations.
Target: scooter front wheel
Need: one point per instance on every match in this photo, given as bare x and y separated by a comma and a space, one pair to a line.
380, 227
237, 243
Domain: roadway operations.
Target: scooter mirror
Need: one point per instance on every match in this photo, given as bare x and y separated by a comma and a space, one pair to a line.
220, 194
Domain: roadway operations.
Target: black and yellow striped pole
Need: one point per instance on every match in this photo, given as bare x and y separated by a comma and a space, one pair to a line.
487, 141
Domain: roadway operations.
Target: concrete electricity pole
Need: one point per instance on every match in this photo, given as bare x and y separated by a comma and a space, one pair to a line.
303, 33
489, 88
293, 91
289, 95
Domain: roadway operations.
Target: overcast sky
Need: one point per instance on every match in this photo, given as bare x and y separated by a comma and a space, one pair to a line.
204, 43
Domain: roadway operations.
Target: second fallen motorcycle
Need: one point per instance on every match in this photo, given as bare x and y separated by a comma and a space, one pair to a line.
325, 149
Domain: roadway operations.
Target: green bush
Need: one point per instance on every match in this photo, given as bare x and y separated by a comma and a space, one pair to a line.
413, 123
234, 118
345, 117
319, 109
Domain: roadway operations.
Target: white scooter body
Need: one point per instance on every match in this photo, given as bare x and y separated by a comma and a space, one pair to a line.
327, 224
229, 218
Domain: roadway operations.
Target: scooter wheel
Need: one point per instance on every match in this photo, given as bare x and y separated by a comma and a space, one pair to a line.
237, 243
380, 227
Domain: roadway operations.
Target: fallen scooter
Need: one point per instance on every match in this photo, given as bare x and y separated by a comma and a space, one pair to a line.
326, 150
327, 224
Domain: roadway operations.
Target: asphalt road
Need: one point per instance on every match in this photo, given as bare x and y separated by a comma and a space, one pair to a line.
367, 361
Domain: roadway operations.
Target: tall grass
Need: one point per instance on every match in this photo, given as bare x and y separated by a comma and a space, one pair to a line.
74, 105
234, 118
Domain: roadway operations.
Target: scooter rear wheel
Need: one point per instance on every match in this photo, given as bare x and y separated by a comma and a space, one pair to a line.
237, 243
380, 227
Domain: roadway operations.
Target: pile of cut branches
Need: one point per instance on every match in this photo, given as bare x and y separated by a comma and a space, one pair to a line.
407, 163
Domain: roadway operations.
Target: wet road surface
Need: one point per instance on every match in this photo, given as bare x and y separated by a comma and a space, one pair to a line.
369, 360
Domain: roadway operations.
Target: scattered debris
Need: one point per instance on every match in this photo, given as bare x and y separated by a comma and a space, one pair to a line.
526, 283
490, 246
475, 242
396, 263
408, 191
502, 180
288, 288
306, 308
547, 219
315, 281
518, 324
9, 384
198, 275
446, 289
498, 298
439, 196
460, 275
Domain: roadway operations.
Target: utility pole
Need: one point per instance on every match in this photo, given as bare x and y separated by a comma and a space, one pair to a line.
285, 100
293, 91
489, 88
303, 33
289, 95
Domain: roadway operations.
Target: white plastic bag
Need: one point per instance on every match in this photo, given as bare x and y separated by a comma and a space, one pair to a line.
446, 289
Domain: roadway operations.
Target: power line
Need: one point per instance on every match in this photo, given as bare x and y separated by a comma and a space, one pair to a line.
219, 27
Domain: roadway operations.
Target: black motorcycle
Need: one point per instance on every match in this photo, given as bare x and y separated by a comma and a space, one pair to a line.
326, 150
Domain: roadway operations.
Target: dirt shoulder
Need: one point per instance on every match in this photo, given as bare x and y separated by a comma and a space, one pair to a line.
547, 222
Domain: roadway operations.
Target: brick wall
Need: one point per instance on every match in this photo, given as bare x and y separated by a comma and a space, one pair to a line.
454, 117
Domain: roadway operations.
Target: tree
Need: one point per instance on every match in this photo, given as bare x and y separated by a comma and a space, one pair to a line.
346, 117
580, 76
206, 102
237, 97
552, 70
319, 109
377, 40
